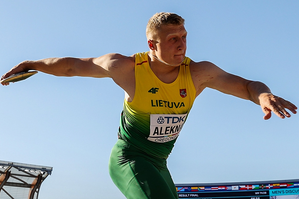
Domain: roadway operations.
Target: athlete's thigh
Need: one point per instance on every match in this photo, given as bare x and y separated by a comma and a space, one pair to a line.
138, 179
156, 184
123, 176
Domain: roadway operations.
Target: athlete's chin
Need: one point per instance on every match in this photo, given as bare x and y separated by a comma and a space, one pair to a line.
179, 58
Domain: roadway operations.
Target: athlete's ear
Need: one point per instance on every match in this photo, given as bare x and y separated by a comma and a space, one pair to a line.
151, 44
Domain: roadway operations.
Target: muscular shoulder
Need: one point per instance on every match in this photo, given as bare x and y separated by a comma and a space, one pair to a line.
110, 65
122, 70
115, 62
204, 72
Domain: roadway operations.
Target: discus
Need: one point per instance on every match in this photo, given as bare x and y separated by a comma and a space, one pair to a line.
18, 77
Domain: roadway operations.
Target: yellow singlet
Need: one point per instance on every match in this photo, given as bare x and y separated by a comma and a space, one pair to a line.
153, 120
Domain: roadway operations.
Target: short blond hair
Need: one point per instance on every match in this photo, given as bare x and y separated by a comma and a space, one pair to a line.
162, 18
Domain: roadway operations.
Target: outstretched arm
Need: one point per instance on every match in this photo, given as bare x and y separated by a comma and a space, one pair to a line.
66, 66
206, 74
87, 67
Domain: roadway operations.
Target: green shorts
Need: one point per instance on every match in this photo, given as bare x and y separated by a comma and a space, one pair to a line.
139, 176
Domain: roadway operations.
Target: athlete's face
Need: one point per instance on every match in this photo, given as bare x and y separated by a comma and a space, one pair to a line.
171, 44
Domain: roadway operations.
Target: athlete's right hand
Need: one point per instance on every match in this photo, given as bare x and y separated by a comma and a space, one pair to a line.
22, 67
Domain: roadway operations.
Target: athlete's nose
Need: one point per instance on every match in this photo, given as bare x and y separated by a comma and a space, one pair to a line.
182, 44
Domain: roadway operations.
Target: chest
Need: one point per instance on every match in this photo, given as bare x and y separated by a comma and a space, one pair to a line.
155, 96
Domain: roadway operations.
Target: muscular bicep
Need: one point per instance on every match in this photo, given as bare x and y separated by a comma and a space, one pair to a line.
109, 65
218, 79
91, 67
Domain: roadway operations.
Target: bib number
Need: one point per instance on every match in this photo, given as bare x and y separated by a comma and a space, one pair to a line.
165, 127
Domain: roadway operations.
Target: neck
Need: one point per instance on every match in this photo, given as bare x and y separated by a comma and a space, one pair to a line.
163, 62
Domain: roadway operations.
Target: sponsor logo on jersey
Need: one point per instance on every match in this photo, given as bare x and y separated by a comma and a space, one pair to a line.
165, 127
153, 90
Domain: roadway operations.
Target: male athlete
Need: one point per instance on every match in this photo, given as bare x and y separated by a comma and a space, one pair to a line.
160, 87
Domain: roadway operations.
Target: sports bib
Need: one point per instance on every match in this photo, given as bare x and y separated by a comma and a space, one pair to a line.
165, 127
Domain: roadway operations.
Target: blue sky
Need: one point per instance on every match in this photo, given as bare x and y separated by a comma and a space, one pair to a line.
71, 123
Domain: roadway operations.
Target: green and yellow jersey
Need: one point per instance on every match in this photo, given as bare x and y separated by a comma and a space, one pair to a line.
154, 118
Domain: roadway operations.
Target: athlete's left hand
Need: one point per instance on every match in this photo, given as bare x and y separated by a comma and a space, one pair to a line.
271, 103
